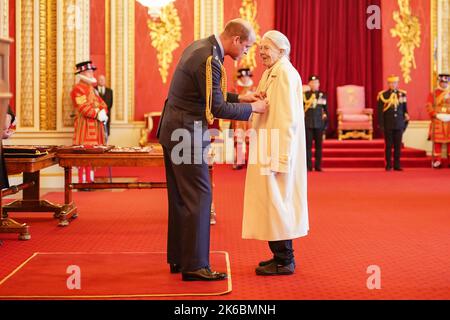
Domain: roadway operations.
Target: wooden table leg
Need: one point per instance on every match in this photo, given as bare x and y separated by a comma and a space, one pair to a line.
10, 226
31, 198
69, 210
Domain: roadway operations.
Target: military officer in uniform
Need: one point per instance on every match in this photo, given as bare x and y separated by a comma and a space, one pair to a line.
196, 96
440, 119
393, 117
316, 115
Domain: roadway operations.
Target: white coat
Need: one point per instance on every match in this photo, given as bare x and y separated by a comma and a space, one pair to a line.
275, 201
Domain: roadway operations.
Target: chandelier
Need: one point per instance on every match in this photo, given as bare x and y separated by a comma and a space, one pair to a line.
155, 6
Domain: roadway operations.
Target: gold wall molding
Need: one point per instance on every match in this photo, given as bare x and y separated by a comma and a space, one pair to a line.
165, 33
47, 63
249, 12
25, 71
440, 39
407, 29
208, 18
68, 59
122, 44
108, 42
82, 28
50, 36
4, 19
131, 57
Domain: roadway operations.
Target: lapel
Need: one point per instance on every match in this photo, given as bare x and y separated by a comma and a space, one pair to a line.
270, 76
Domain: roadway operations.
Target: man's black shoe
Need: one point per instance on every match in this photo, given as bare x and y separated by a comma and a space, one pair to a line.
203, 274
318, 169
175, 268
388, 168
398, 169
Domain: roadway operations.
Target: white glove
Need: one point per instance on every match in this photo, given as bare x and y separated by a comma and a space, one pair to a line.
101, 116
444, 117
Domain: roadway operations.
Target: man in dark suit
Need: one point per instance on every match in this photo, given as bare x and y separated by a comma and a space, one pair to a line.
107, 95
316, 115
393, 117
196, 96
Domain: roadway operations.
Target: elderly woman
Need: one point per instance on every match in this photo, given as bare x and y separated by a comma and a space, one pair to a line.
275, 204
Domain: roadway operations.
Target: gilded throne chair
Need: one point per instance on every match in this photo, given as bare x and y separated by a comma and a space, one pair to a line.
354, 119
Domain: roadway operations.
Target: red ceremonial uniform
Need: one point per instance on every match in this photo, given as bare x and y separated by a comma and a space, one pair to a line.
87, 104
442, 129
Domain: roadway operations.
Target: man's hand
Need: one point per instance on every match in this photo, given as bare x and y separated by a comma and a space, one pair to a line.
260, 106
101, 116
407, 118
249, 98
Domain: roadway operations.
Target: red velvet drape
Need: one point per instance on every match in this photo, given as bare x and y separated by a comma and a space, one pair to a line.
330, 38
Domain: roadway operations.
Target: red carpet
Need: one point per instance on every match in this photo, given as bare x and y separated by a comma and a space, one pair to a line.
367, 154
106, 275
398, 221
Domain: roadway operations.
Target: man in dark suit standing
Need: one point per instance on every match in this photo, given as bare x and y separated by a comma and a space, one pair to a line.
393, 117
196, 96
107, 95
316, 115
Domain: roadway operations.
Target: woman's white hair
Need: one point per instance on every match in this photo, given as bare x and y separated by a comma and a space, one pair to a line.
280, 41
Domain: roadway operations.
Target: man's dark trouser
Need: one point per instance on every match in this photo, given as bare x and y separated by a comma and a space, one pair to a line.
316, 135
283, 253
189, 195
393, 138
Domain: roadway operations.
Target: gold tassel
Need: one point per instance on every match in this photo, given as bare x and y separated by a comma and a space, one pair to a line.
391, 102
209, 88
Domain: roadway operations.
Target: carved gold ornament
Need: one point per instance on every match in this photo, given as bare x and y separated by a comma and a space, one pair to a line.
249, 11
407, 30
165, 33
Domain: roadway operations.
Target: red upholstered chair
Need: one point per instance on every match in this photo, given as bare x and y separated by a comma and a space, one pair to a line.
148, 134
354, 119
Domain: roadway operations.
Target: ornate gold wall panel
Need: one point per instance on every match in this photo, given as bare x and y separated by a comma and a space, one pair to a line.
82, 30
249, 12
117, 67
4, 21
68, 47
208, 18
407, 29
26, 65
165, 33
47, 64
440, 38
122, 53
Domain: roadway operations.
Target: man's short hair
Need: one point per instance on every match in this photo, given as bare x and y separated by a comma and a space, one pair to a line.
238, 27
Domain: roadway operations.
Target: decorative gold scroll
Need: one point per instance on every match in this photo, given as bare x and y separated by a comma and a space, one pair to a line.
408, 31
165, 33
249, 11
